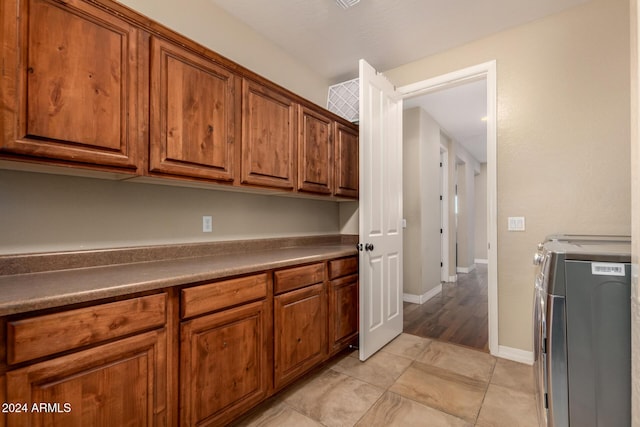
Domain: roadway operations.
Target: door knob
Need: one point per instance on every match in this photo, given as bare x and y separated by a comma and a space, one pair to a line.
368, 247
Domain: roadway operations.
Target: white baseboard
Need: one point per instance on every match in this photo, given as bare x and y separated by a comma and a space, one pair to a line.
481, 261
466, 269
515, 354
453, 278
421, 299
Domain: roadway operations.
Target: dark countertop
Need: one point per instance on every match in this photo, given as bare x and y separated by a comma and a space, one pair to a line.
46, 289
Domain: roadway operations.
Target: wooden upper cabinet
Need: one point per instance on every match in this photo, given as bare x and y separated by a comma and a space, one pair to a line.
268, 137
315, 151
70, 86
347, 161
194, 111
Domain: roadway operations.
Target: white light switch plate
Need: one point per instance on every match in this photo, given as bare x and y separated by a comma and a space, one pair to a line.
516, 223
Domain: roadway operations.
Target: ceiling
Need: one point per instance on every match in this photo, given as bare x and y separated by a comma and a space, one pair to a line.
390, 33
459, 111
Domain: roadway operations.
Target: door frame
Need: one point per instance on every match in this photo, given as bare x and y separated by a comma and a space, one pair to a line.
486, 71
444, 212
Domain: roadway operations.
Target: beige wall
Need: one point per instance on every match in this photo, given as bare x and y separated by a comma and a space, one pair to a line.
480, 241
41, 212
209, 25
421, 208
563, 136
635, 210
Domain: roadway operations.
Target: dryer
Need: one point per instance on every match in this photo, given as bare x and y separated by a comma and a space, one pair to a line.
582, 331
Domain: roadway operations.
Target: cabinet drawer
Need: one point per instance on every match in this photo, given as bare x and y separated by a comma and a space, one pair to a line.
343, 267
299, 277
48, 334
226, 293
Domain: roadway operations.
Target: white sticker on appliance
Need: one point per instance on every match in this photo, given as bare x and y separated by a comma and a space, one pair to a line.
607, 269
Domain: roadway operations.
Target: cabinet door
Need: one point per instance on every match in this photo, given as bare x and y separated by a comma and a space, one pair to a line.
347, 161
300, 326
193, 114
71, 88
224, 364
268, 137
3, 399
343, 312
315, 152
116, 384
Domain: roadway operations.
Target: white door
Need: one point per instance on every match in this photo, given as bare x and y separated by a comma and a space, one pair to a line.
380, 211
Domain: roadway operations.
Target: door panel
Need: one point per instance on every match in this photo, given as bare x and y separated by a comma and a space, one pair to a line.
380, 211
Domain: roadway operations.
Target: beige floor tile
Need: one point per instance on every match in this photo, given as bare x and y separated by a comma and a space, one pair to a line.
407, 346
381, 369
507, 407
441, 389
471, 363
333, 399
393, 410
278, 415
517, 376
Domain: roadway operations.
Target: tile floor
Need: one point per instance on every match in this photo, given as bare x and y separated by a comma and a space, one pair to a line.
412, 381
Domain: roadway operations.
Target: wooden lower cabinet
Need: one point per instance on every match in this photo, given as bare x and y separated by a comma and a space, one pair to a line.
343, 312
224, 364
123, 383
300, 332
3, 399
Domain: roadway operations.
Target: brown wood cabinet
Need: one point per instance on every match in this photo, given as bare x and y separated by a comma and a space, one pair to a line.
195, 114
201, 354
225, 355
3, 398
71, 87
347, 161
99, 365
343, 303
91, 84
300, 332
224, 364
120, 383
315, 151
268, 137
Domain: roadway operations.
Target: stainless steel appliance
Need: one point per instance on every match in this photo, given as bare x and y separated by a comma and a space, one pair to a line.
582, 331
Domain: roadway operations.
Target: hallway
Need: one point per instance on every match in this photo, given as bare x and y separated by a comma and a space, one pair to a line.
458, 315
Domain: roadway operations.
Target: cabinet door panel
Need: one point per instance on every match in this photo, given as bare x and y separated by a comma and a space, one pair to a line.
315, 152
343, 312
121, 383
268, 137
193, 114
300, 332
347, 161
76, 94
224, 361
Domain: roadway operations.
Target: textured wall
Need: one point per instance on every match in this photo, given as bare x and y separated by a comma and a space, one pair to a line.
563, 136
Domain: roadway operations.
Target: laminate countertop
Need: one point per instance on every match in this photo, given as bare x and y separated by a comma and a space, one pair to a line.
29, 291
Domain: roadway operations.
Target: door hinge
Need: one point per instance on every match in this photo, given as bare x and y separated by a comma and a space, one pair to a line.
440, 197
441, 264
441, 231
440, 164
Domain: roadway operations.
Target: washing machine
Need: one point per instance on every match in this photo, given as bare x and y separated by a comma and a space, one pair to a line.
582, 331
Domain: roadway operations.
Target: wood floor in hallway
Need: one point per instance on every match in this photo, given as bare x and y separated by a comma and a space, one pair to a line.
458, 314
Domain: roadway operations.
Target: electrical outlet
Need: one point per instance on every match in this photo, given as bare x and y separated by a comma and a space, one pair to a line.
207, 224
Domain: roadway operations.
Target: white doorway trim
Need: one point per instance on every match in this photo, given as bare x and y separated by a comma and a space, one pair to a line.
486, 71
444, 213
